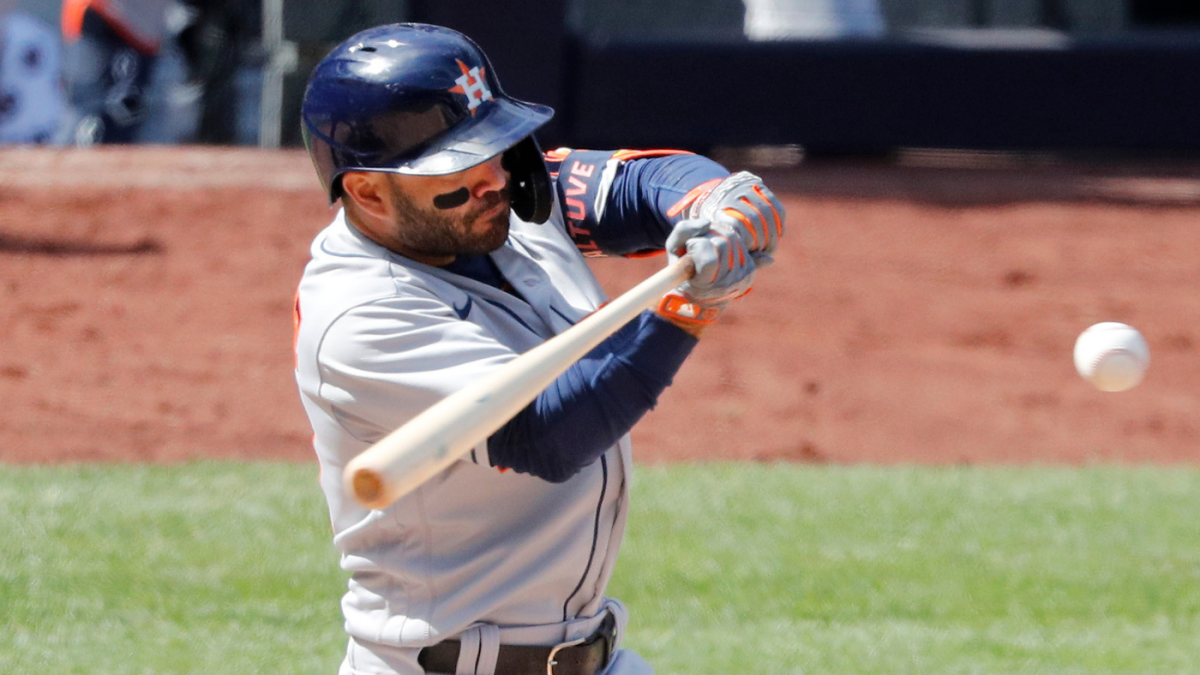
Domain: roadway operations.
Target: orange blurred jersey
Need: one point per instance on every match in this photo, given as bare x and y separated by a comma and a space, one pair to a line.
141, 23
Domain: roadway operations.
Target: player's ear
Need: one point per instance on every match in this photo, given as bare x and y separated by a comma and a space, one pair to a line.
368, 192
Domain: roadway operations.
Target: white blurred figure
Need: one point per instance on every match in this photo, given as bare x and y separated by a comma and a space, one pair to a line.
32, 100
813, 19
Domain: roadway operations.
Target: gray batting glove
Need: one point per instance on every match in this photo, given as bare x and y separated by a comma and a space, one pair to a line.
724, 268
742, 204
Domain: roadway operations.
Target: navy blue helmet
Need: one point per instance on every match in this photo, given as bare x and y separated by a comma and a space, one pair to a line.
420, 100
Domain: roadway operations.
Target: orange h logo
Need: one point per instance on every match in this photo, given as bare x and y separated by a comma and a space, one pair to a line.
472, 85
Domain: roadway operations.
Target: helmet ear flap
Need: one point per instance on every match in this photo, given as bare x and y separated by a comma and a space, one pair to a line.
532, 195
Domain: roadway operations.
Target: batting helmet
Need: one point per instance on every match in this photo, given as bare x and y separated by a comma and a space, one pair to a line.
420, 100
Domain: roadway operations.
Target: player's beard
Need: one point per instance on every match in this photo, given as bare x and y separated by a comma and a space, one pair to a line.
463, 231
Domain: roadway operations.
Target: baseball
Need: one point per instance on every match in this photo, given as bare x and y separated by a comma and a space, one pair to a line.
1112, 356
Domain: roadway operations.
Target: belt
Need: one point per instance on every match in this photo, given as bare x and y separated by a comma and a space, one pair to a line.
587, 656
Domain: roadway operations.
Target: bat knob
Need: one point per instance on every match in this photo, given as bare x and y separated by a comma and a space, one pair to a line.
368, 486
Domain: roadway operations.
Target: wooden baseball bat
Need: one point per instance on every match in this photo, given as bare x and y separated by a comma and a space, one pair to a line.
447, 430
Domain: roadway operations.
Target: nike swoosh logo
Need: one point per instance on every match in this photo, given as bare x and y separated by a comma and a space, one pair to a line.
464, 310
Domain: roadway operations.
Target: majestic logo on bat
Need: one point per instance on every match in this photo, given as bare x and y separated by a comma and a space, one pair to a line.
472, 85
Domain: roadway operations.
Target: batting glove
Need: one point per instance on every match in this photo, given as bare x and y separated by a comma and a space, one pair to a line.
741, 203
724, 272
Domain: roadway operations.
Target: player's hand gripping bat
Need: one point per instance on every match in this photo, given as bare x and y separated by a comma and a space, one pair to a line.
439, 436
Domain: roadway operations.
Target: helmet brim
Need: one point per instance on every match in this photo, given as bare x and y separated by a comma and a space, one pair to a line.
498, 126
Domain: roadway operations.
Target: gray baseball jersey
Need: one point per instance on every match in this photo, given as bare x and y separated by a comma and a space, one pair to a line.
379, 339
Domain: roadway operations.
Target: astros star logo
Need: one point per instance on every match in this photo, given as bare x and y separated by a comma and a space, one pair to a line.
472, 85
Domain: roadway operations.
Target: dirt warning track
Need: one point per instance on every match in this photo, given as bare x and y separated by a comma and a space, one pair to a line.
916, 313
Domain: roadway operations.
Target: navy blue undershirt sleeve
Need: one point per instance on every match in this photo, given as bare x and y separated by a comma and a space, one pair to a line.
631, 217
594, 403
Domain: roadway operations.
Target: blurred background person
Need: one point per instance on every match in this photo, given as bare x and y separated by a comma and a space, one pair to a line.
221, 46
161, 71
110, 49
32, 101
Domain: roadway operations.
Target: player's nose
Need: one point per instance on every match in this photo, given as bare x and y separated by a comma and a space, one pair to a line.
489, 176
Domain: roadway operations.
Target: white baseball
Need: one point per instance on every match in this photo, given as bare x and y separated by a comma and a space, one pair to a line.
1112, 356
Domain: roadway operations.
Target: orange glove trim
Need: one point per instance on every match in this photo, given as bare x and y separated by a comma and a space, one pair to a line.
685, 311
778, 222
697, 193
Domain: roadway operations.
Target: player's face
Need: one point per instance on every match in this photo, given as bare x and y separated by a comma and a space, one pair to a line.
461, 213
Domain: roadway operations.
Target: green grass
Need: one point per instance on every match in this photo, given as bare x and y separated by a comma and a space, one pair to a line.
227, 568
905, 570
205, 568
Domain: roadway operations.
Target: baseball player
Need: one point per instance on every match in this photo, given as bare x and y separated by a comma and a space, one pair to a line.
458, 247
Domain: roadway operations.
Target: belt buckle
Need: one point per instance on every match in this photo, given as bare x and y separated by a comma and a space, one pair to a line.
606, 631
